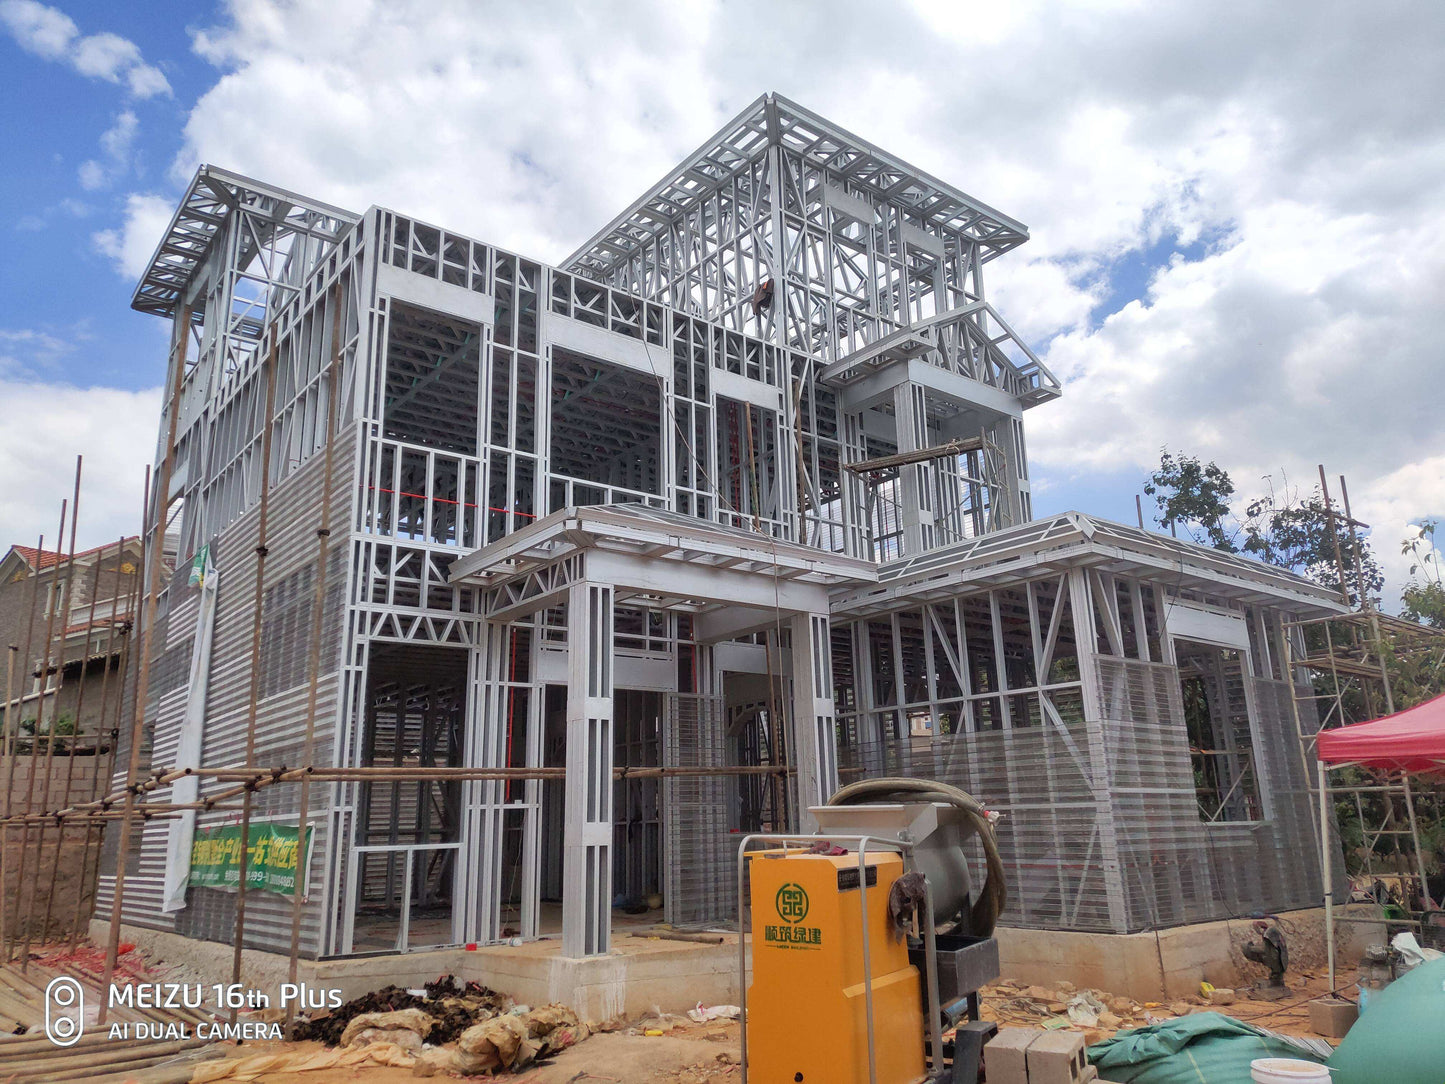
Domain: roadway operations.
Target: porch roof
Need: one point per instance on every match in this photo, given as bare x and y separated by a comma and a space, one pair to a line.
668, 560
1055, 543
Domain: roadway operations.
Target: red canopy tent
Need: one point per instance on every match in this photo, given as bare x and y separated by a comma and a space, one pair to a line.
1412, 740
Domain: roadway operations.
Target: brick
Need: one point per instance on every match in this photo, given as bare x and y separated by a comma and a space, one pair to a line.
1004, 1058
1056, 1057
1332, 1017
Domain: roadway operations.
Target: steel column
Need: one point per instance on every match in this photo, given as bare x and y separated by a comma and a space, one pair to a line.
587, 854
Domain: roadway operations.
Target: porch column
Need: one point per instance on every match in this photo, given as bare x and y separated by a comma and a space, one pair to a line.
815, 737
587, 838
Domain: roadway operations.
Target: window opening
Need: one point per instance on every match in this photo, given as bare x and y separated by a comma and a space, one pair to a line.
1221, 743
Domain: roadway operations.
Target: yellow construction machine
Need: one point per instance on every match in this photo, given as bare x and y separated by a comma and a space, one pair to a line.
870, 940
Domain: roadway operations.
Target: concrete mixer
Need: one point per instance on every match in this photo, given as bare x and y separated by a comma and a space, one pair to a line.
870, 940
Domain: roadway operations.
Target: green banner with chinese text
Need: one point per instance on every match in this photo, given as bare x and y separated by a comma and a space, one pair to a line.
270, 865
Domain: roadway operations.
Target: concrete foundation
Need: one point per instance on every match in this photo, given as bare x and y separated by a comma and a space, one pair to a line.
1165, 964
644, 974
639, 974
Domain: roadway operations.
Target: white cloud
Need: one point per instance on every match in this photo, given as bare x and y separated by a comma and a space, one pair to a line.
133, 244
24, 350
92, 175
118, 138
44, 427
146, 81
33, 222
42, 30
105, 56
1392, 507
1296, 146
53, 35
116, 142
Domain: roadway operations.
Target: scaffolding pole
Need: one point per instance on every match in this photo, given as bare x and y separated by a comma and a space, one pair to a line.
152, 537
254, 694
35, 746
103, 776
313, 662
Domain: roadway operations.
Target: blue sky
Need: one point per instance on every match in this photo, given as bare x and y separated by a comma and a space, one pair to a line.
1235, 252
51, 124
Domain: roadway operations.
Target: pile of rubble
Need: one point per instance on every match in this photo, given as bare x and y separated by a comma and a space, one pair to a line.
448, 1027
1065, 1005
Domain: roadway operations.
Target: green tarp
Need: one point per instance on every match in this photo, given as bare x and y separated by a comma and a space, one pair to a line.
1400, 1037
270, 864
1202, 1048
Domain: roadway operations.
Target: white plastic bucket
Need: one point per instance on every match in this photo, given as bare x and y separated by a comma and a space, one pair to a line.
1287, 1071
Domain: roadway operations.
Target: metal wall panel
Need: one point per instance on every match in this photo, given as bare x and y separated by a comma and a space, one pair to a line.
280, 719
699, 850
1048, 785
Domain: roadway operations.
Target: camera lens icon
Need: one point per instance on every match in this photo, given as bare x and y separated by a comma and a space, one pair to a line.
64, 1011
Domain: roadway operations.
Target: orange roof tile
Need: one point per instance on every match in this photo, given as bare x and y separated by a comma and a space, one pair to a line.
43, 559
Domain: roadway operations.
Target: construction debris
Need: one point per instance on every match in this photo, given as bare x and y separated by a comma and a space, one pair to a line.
452, 1008
449, 1027
300, 1061
509, 1041
404, 1027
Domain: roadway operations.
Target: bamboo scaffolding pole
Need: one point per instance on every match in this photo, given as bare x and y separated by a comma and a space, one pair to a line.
13, 729
19, 702
46, 1065
254, 695
445, 772
40, 1044
35, 744
65, 607
253, 781
5, 742
1375, 636
103, 776
313, 662
74, 739
7, 745
155, 537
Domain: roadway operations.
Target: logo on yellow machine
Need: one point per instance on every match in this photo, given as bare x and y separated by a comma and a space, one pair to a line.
792, 903
792, 906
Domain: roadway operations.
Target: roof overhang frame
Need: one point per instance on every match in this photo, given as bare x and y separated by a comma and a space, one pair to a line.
211, 197
1072, 539
733, 581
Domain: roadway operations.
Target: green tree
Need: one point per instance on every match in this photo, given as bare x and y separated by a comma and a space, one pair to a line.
1194, 496
54, 729
1417, 669
1423, 600
1280, 527
1299, 533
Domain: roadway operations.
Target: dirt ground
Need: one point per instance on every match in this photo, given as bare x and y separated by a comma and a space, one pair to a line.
1019, 1004
687, 1053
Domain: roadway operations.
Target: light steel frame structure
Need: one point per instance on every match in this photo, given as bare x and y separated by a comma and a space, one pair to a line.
803, 303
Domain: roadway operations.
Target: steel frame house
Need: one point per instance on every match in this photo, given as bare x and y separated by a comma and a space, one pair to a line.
590, 566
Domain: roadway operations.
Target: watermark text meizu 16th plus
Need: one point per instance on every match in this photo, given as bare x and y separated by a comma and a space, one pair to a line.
196, 995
